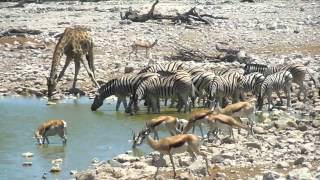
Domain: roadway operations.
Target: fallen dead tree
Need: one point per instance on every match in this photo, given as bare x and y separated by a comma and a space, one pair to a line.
186, 54
222, 55
20, 32
187, 17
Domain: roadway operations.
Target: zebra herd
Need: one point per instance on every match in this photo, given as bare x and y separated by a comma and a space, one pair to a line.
174, 81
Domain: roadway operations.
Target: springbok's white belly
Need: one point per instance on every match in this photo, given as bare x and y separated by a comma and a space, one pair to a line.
178, 150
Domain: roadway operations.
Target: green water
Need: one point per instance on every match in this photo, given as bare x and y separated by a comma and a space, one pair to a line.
102, 135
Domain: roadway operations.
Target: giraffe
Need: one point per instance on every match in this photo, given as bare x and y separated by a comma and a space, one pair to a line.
75, 42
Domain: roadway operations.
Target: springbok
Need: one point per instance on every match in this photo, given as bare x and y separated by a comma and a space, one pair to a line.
173, 145
196, 120
142, 45
170, 123
240, 110
223, 122
51, 128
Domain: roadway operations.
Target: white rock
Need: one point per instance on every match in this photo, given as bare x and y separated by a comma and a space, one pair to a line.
126, 158
56, 161
302, 173
282, 164
27, 154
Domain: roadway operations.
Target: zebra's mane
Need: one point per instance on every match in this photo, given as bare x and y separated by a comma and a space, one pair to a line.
256, 65
106, 85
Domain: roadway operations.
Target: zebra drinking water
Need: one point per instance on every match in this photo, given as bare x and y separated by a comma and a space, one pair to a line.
120, 87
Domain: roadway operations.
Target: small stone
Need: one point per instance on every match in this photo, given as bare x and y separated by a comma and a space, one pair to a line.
51, 103
254, 145
126, 158
3, 90
94, 161
128, 69
259, 130
316, 123
56, 161
55, 168
282, 165
123, 22
303, 128
27, 164
270, 175
298, 161
217, 159
73, 172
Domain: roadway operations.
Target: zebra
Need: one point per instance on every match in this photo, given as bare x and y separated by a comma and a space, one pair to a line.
120, 87
251, 83
196, 70
298, 72
225, 86
178, 86
164, 69
281, 80
201, 81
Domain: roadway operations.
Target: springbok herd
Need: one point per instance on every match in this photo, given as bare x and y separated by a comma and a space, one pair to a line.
183, 87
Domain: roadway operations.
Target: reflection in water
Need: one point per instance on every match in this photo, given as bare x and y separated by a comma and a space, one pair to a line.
50, 152
102, 135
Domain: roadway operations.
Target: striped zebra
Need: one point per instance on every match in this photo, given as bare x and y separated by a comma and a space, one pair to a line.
177, 86
251, 83
281, 80
164, 69
121, 87
225, 86
201, 81
196, 70
298, 72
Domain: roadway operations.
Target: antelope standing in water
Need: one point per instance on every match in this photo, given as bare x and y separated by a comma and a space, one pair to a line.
51, 128
142, 45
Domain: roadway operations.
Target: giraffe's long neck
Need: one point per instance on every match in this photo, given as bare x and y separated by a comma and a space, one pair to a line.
58, 51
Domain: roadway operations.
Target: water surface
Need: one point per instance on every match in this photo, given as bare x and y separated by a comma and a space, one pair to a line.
102, 135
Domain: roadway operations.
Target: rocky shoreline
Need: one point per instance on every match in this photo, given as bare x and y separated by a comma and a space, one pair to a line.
268, 32
285, 148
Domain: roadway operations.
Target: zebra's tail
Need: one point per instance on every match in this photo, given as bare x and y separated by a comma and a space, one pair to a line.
193, 91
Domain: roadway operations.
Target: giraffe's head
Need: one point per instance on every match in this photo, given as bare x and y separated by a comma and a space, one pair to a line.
52, 83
